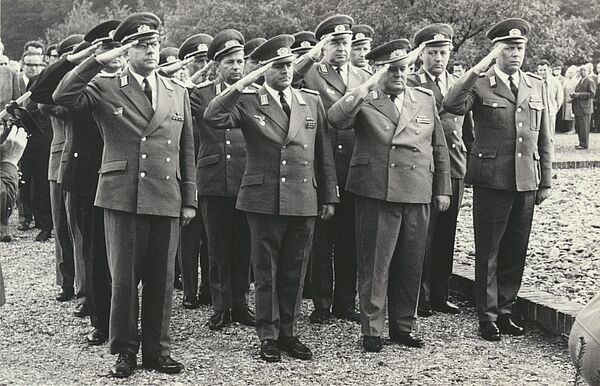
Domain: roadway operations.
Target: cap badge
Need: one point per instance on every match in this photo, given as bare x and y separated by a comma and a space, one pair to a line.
202, 47
514, 32
305, 44
340, 28
283, 51
231, 43
111, 34
397, 53
438, 37
360, 35
144, 28
171, 59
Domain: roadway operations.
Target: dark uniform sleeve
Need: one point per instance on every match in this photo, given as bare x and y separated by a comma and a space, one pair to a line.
460, 98
46, 82
53, 110
301, 67
187, 159
341, 115
545, 150
76, 89
328, 190
223, 111
442, 183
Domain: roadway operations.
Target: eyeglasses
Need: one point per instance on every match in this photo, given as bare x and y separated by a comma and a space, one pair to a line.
3, 64
145, 45
34, 64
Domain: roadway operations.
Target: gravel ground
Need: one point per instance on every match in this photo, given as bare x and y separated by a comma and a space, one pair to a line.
43, 343
564, 148
564, 254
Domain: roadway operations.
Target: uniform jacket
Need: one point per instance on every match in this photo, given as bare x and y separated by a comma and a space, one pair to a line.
513, 147
148, 159
221, 153
398, 157
452, 123
323, 78
289, 167
57, 116
583, 96
10, 89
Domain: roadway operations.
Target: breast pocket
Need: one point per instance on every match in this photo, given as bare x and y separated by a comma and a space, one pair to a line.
536, 109
495, 109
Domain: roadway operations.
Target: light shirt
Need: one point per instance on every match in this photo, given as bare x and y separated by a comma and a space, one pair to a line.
443, 83
504, 77
287, 94
153, 85
26, 80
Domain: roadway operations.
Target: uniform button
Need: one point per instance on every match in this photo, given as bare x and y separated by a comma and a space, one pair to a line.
519, 154
494, 104
519, 110
144, 156
228, 156
454, 146
305, 146
168, 141
415, 149
392, 165
282, 179
305, 163
520, 124
520, 139
387, 127
144, 139
393, 147
228, 142
143, 174
340, 147
454, 132
168, 159
479, 155
167, 177
417, 131
283, 162
455, 119
304, 180
283, 147
76, 155
414, 167
227, 129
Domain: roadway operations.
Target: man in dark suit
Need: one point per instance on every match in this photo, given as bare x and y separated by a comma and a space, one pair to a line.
399, 168
146, 187
583, 107
439, 254
221, 163
509, 168
289, 180
333, 77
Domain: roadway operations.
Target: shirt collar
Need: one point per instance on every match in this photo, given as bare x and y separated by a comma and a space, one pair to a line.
442, 76
140, 78
287, 94
504, 76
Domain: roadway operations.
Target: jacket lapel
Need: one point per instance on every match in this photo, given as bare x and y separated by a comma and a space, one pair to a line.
385, 106
524, 89
270, 107
297, 116
410, 107
133, 91
430, 84
332, 78
164, 104
354, 79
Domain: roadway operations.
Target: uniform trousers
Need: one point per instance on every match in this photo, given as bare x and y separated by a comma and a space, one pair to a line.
63, 246
333, 240
228, 252
582, 127
193, 246
280, 251
74, 224
141, 248
391, 239
439, 253
502, 223
34, 189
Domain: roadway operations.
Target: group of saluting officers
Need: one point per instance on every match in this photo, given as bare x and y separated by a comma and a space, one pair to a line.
293, 153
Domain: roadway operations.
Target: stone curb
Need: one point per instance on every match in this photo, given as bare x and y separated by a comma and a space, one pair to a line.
576, 165
552, 313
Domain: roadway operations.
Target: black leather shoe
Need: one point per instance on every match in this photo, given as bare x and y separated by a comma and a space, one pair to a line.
96, 337
65, 294
407, 339
445, 307
5, 237
269, 351
372, 343
164, 364
320, 316
294, 347
23, 226
489, 331
506, 324
348, 314
243, 315
204, 297
44, 235
424, 310
81, 311
219, 319
177, 284
191, 303
123, 368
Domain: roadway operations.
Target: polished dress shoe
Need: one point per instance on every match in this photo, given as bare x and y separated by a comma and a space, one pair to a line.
489, 331
81, 311
123, 368
177, 284
579, 147
44, 235
348, 314
219, 319
372, 343
320, 316
269, 351
506, 324
204, 297
190, 302
407, 339
243, 315
65, 294
294, 348
96, 337
164, 364
424, 310
445, 307
23, 226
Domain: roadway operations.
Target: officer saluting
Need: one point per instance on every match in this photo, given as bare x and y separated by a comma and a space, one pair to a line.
289, 180
399, 167
147, 185
509, 168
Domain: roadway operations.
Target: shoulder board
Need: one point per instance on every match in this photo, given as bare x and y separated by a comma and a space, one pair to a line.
255, 86
323, 68
204, 84
167, 82
314, 92
373, 94
124, 81
422, 78
482, 74
423, 89
536, 76
107, 75
455, 76
248, 90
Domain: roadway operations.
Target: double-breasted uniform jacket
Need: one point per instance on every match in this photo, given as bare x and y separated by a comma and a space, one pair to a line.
452, 123
583, 96
289, 167
323, 78
398, 156
221, 153
513, 146
148, 159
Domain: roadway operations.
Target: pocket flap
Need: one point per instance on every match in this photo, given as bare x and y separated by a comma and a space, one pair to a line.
208, 160
536, 155
484, 153
495, 103
252, 179
57, 147
112, 166
361, 159
536, 105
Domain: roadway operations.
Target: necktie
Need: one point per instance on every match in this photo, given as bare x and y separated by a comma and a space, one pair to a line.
339, 71
284, 104
393, 99
147, 90
437, 91
513, 87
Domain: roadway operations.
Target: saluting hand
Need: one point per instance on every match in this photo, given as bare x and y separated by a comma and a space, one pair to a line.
371, 83
83, 54
414, 54
327, 211
108, 56
315, 52
172, 68
485, 63
441, 203
252, 77
200, 75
